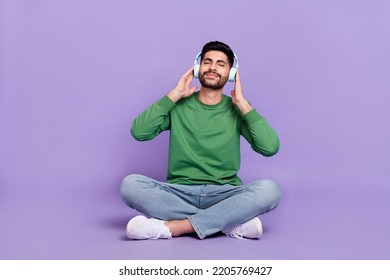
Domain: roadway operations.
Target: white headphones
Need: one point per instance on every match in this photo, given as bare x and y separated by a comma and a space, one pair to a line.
232, 73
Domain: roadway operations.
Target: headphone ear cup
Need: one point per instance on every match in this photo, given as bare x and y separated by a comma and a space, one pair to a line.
196, 70
232, 74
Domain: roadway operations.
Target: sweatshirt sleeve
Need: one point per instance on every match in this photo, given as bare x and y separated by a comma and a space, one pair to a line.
153, 120
260, 135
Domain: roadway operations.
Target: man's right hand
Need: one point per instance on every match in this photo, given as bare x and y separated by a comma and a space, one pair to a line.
182, 88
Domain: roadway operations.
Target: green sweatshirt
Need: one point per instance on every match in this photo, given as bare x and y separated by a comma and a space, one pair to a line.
204, 143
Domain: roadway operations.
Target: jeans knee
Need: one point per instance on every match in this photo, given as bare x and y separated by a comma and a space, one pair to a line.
128, 187
273, 189
268, 190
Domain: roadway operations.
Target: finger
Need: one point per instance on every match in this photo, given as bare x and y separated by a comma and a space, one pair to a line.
193, 89
190, 72
189, 78
238, 80
186, 78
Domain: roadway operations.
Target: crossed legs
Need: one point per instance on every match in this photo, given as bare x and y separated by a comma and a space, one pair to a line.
204, 209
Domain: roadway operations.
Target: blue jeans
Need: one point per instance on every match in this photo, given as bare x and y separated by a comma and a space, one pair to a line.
209, 208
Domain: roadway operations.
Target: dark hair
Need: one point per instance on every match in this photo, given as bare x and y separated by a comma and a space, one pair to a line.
218, 46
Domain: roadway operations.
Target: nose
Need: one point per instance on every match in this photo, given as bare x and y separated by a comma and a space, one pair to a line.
213, 66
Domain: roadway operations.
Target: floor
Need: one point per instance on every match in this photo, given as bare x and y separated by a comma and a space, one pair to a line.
71, 225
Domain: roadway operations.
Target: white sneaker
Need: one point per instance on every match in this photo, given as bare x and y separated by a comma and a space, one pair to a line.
141, 227
250, 229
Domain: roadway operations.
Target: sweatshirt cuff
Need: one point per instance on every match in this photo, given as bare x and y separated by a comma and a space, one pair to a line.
166, 103
252, 117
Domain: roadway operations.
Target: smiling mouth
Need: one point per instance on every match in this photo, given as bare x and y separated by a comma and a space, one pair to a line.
211, 75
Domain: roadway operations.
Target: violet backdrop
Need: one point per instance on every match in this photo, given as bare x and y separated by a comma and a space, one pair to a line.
74, 74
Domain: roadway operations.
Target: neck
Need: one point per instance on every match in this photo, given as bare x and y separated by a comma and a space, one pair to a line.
210, 96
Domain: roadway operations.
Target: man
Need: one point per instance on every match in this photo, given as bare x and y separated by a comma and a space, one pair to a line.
203, 193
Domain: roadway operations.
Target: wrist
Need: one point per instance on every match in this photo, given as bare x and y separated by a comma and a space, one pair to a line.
174, 96
244, 106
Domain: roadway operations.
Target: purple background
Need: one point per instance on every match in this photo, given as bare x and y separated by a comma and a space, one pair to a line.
74, 74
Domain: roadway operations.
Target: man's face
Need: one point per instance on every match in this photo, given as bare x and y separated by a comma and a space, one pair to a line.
214, 70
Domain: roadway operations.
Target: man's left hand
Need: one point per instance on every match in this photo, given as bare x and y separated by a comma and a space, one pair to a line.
238, 96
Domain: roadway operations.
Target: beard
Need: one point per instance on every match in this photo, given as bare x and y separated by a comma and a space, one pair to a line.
218, 84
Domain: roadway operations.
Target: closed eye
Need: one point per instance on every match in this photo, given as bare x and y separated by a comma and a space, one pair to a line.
221, 63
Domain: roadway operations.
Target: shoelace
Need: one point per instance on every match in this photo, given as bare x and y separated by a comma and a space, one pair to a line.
234, 232
156, 234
